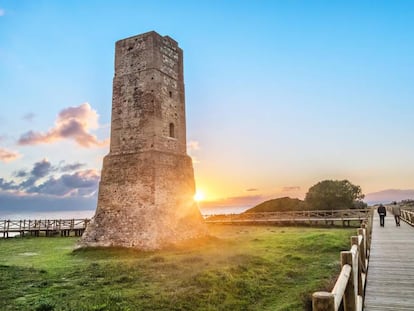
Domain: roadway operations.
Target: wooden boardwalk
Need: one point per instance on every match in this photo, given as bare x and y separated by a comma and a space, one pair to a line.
390, 280
47, 227
311, 217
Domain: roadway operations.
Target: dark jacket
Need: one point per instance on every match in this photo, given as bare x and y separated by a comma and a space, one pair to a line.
381, 210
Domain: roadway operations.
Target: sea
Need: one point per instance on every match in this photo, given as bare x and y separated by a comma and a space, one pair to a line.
81, 214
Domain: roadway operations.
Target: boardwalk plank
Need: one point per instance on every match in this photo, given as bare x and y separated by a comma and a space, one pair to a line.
390, 281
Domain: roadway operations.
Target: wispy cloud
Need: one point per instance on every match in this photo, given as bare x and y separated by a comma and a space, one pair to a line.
2, 12
252, 189
29, 116
44, 167
7, 185
72, 123
40, 169
8, 155
82, 183
193, 146
239, 201
20, 173
71, 167
290, 188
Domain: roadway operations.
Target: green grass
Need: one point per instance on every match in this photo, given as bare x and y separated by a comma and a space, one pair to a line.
238, 268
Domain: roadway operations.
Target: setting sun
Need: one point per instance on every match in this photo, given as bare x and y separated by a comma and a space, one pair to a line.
199, 196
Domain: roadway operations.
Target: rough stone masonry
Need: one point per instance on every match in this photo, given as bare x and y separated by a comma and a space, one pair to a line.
147, 184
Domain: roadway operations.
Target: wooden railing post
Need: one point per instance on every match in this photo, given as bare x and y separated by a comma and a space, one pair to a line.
350, 299
8, 228
358, 268
323, 301
349, 288
363, 248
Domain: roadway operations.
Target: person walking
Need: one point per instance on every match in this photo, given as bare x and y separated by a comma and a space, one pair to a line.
382, 212
396, 210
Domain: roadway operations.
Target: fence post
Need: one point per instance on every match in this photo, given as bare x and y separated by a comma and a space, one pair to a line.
363, 248
358, 268
323, 301
24, 227
349, 295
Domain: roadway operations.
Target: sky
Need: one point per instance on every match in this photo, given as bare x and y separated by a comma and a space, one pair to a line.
279, 96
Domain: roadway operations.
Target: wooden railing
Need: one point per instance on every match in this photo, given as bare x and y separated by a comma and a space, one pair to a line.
407, 213
326, 216
407, 216
349, 289
49, 227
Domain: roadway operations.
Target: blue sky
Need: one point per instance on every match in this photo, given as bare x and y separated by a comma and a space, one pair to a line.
279, 94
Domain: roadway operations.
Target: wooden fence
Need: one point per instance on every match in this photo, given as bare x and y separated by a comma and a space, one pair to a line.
294, 217
407, 213
407, 216
64, 227
349, 289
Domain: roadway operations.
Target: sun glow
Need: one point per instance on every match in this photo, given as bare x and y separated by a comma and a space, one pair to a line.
199, 196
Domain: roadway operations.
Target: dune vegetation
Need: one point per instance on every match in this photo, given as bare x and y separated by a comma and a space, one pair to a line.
237, 268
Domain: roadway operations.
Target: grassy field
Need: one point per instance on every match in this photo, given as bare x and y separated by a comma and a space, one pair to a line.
238, 268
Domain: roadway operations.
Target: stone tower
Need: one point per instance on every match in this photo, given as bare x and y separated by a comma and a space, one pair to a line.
147, 184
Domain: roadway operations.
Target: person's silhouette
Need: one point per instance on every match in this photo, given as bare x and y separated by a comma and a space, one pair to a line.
382, 213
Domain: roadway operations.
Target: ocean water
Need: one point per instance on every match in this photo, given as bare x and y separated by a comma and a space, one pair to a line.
90, 213
223, 210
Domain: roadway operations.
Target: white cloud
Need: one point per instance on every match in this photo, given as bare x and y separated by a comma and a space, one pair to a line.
2, 12
8, 155
72, 123
193, 145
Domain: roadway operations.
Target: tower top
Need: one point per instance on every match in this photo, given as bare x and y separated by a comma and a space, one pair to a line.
148, 109
149, 33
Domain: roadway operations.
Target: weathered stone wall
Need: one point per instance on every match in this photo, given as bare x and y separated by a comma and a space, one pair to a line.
147, 185
148, 95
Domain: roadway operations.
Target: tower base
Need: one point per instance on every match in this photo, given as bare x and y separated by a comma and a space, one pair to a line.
146, 202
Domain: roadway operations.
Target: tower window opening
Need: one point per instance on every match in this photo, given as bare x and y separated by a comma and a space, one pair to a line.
172, 130
170, 94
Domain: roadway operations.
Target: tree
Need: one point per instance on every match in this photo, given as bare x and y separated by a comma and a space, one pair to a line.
334, 194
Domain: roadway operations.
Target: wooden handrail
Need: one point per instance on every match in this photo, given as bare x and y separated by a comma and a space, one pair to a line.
307, 216
46, 223
339, 289
349, 288
407, 216
49, 226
